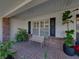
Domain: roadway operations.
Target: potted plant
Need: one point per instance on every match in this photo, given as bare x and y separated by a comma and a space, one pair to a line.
21, 35
68, 43
5, 50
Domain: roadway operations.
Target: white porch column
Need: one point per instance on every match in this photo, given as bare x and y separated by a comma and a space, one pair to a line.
1, 35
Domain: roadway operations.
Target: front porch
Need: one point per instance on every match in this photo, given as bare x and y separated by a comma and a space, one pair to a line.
32, 50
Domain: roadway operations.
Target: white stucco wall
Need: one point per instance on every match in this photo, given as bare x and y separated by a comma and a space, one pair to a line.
0, 29
15, 24
60, 28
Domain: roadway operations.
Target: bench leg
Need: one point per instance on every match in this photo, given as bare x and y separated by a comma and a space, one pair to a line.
41, 45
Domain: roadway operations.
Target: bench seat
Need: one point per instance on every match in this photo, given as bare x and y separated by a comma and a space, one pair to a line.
39, 39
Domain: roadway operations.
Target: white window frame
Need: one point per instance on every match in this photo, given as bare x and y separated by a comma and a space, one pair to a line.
40, 27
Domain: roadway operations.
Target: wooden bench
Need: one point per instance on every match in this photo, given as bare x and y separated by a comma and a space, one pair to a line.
39, 39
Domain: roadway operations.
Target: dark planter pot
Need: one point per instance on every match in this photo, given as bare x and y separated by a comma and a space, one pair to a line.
9, 57
76, 48
68, 50
77, 53
77, 42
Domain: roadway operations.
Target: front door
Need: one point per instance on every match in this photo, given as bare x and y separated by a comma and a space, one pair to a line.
52, 26
29, 27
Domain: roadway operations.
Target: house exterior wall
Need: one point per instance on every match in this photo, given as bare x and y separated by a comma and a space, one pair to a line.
15, 24
60, 28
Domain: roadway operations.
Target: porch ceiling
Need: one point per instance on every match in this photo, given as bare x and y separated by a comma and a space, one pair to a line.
48, 7
7, 5
12, 7
29, 8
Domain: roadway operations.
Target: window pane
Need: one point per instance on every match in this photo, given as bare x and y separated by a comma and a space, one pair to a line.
41, 32
35, 28
37, 24
41, 24
46, 22
44, 28
34, 25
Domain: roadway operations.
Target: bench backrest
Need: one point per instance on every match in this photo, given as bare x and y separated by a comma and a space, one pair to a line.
37, 38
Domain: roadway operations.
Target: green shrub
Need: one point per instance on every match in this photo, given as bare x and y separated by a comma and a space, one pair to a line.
69, 38
21, 35
5, 49
66, 19
46, 54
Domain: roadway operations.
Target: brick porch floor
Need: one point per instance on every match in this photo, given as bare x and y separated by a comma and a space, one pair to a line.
33, 50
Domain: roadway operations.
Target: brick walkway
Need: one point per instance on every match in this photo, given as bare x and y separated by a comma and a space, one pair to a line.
33, 50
